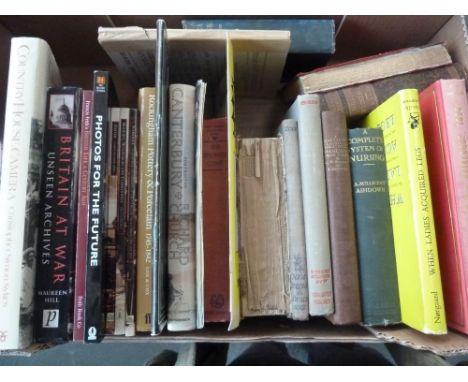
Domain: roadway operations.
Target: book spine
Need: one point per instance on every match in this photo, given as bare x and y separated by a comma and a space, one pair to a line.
341, 219
374, 236
358, 100
82, 215
456, 106
56, 242
306, 111
120, 266
94, 258
432, 298
215, 221
295, 222
130, 261
146, 99
110, 237
31, 64
444, 111
421, 299
160, 176
264, 280
181, 223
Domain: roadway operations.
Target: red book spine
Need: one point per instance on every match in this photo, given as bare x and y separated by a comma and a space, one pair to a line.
215, 220
82, 216
444, 111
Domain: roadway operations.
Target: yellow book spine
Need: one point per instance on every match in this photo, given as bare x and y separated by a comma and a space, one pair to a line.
421, 299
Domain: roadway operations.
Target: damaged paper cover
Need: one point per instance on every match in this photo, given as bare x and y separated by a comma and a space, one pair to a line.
263, 240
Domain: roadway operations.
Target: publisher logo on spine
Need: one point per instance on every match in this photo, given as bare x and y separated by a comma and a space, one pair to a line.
50, 318
92, 334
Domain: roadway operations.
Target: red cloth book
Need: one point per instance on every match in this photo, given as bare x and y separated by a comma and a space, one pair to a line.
444, 112
215, 220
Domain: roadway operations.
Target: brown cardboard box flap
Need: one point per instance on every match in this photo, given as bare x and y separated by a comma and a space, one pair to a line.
450, 344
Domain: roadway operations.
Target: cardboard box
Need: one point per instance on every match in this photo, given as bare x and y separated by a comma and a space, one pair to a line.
256, 65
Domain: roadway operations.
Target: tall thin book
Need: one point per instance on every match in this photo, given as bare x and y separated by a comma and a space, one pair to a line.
306, 110
444, 110
419, 283
159, 250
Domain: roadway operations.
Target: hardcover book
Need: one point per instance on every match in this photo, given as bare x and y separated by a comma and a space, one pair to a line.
368, 69
298, 288
306, 110
215, 221
341, 220
380, 300
444, 110
32, 70
358, 100
57, 228
82, 215
419, 283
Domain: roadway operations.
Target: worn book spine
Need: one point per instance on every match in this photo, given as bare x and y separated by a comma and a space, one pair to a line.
215, 221
181, 223
97, 173
146, 98
444, 110
130, 261
299, 292
110, 235
32, 69
419, 282
341, 220
306, 110
356, 101
374, 236
56, 241
82, 215
373, 68
264, 280
122, 206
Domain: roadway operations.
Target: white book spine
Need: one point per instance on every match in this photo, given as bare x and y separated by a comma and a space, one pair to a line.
181, 223
32, 70
306, 110
299, 293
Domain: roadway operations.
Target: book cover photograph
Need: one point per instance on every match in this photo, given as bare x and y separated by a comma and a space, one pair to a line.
56, 243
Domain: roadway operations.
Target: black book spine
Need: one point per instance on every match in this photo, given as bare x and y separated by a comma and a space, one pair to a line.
56, 252
97, 173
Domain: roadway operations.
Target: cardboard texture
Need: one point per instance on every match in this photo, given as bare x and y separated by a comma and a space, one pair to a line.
454, 36
360, 36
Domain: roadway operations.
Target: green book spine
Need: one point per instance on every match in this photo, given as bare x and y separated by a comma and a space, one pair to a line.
376, 253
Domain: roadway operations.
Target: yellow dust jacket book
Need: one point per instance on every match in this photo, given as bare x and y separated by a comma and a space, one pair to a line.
419, 282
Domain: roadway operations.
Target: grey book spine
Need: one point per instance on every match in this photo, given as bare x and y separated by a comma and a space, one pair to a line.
299, 298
